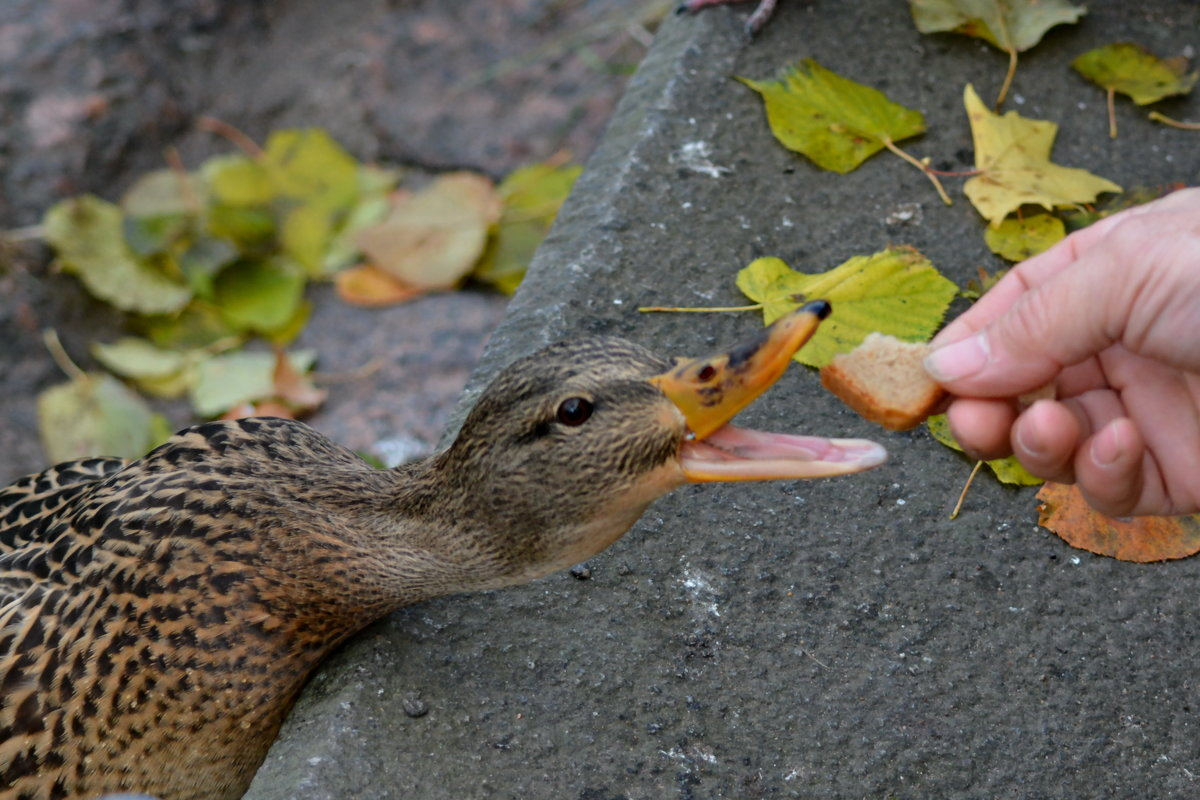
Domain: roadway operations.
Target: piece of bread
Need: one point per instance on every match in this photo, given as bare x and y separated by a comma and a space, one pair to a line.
884, 380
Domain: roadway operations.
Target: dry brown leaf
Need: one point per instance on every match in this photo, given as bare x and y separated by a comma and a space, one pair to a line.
368, 285
1140, 539
432, 238
293, 388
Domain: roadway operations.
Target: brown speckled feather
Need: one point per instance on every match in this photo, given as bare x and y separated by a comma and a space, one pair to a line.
158, 617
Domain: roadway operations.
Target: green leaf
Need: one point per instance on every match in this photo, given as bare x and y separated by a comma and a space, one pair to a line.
895, 291
1019, 239
204, 257
93, 415
198, 325
833, 120
1008, 470
237, 180
132, 357
1012, 154
532, 197
87, 233
1009, 25
260, 296
1129, 69
247, 227
305, 236
165, 191
230, 379
374, 187
309, 165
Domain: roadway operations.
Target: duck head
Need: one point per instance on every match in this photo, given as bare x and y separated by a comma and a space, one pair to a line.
566, 448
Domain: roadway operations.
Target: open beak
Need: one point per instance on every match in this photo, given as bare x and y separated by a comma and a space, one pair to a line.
710, 391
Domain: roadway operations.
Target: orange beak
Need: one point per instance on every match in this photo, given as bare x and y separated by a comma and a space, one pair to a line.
710, 391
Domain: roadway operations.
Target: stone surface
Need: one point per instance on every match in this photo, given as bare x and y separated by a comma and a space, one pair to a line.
835, 638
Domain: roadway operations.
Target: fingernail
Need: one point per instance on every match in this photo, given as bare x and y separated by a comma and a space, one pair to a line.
959, 360
1029, 440
1107, 448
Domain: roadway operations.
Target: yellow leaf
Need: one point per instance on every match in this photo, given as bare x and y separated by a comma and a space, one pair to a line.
1019, 239
1012, 154
1008, 470
1009, 25
895, 291
835, 121
1129, 69
368, 285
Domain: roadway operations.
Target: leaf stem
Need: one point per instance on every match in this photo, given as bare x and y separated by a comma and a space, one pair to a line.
921, 166
26, 234
244, 142
1112, 114
1174, 123
59, 354
963, 495
755, 307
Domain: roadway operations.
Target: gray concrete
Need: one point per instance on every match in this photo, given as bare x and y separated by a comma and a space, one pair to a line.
837, 638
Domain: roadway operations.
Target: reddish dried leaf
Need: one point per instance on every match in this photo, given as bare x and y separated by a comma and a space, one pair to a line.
267, 408
368, 285
1139, 539
293, 389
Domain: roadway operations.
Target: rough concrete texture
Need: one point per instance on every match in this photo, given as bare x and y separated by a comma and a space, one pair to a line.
837, 638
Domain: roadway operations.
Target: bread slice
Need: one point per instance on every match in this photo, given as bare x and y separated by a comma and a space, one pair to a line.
884, 380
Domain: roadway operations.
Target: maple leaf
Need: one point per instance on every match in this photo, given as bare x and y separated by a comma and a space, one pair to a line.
1020, 238
1013, 26
1131, 70
895, 291
1064, 511
834, 121
1012, 155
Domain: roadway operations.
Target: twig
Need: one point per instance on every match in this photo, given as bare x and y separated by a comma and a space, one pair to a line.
59, 354
963, 495
921, 166
365, 371
1112, 114
1174, 123
26, 234
755, 307
247, 145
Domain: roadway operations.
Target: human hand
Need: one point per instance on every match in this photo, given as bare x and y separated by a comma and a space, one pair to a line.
1111, 314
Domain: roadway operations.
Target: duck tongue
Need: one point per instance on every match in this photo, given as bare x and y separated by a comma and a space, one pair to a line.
710, 391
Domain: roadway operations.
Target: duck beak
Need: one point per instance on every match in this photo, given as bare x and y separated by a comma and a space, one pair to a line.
710, 391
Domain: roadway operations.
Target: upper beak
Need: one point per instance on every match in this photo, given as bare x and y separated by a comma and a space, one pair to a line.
710, 391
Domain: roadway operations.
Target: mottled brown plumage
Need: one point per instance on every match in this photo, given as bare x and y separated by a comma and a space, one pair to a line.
159, 616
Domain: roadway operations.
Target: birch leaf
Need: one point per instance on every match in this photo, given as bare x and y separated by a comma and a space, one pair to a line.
1064, 511
1019, 239
835, 121
1008, 25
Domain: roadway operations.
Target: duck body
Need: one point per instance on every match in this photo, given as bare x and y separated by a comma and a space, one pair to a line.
158, 617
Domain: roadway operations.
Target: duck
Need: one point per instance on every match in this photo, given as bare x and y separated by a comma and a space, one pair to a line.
159, 616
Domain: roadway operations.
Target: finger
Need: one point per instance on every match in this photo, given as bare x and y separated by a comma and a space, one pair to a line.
1045, 438
1109, 469
981, 427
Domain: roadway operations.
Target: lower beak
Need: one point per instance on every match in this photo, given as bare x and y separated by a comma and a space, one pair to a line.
710, 391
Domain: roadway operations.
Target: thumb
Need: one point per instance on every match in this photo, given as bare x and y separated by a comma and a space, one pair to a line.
1048, 327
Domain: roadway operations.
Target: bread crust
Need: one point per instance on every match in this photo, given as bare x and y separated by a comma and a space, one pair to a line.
884, 380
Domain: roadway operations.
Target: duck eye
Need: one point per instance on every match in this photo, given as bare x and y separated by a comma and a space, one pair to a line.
574, 411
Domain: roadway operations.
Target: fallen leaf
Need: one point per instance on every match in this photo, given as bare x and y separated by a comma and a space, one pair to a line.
293, 388
87, 233
1131, 70
131, 357
1005, 24
1013, 26
1012, 155
308, 165
259, 295
1020, 238
1080, 216
835, 121
1064, 511
895, 291
375, 185
368, 285
93, 415
977, 287
531, 196
230, 379
1007, 470
432, 238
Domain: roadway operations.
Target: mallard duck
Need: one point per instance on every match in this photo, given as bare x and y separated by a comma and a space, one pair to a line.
158, 617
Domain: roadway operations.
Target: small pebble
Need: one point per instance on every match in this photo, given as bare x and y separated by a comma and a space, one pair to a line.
581, 572
414, 707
